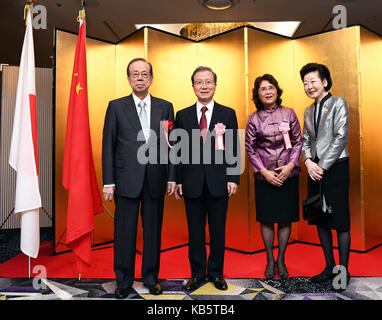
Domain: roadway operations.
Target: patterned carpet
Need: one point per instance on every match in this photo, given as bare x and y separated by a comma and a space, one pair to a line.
294, 288
298, 288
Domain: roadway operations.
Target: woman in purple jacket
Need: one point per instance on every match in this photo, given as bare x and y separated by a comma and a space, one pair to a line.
273, 143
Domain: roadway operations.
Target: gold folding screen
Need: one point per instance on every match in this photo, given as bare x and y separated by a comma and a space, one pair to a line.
237, 57
338, 50
267, 53
101, 70
371, 141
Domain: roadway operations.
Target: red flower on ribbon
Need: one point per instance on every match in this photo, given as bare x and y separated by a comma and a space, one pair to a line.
167, 125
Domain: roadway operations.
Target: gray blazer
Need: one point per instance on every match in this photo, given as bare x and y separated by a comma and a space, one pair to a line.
330, 143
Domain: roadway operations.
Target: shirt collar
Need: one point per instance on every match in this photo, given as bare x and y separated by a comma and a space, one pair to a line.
146, 100
271, 110
209, 106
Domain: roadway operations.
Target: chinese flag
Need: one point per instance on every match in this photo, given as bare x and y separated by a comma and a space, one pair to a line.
79, 176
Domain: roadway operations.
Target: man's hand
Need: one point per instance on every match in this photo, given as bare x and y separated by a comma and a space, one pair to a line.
178, 192
171, 188
314, 170
108, 193
232, 188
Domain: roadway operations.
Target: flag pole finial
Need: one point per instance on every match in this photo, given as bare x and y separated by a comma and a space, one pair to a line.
81, 15
27, 7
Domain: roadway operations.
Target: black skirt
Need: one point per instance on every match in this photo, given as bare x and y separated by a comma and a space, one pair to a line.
277, 204
335, 185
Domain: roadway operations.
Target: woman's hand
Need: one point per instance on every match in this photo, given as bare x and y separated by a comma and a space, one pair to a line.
285, 171
271, 177
314, 170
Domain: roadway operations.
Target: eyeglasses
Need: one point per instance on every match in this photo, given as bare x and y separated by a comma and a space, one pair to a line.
144, 75
265, 89
207, 83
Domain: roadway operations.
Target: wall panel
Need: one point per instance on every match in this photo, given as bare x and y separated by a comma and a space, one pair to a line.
231, 91
371, 115
339, 50
173, 60
268, 53
101, 88
44, 133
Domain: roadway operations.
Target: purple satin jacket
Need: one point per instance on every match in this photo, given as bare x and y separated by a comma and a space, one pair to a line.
264, 141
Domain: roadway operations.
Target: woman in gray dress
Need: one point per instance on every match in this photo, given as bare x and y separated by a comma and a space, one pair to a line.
325, 136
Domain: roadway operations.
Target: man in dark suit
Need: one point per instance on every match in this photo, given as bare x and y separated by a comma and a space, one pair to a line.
133, 182
207, 184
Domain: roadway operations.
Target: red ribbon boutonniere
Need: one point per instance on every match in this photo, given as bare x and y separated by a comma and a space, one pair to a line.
167, 126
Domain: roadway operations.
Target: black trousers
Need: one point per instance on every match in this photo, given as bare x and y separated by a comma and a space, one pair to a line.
125, 236
197, 210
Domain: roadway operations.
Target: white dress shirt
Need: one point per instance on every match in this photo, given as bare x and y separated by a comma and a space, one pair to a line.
210, 108
147, 101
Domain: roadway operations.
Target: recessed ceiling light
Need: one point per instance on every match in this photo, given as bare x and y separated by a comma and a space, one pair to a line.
218, 4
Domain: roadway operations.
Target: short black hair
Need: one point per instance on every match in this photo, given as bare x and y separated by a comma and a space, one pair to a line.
255, 92
323, 72
202, 68
139, 59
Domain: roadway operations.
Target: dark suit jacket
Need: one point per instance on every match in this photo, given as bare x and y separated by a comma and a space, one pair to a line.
120, 145
192, 175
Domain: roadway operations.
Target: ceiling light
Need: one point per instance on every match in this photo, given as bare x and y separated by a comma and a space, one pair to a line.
218, 4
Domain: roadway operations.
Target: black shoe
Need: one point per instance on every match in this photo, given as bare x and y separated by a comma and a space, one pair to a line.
193, 284
282, 270
219, 283
155, 289
122, 293
325, 275
270, 271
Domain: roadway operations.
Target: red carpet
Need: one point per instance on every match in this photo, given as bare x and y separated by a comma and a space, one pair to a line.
301, 259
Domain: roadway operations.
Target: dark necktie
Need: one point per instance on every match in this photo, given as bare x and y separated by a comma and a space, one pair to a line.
203, 123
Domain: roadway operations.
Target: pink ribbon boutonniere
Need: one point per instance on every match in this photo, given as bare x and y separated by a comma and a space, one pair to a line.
284, 129
219, 141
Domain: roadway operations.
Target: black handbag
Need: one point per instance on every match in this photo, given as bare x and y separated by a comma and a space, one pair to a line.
316, 206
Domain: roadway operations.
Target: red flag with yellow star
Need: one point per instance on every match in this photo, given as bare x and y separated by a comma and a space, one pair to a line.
79, 177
